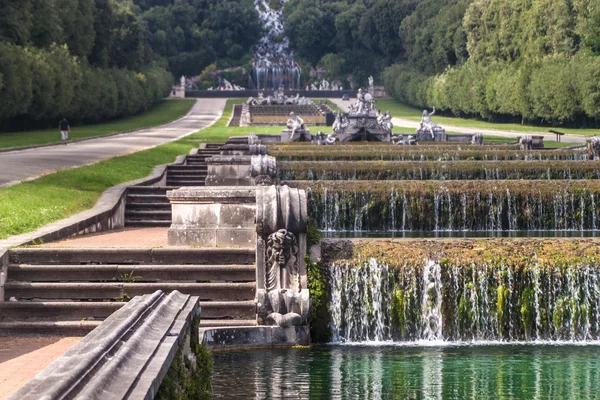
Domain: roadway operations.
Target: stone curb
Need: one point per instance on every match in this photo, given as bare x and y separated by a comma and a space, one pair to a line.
37, 146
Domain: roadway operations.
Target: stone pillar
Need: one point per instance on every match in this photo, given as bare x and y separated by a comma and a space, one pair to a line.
213, 217
282, 295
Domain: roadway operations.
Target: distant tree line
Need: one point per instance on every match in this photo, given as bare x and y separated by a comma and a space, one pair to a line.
500, 60
94, 60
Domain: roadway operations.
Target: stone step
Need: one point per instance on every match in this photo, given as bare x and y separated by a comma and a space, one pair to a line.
148, 198
187, 182
123, 291
65, 310
184, 175
135, 223
186, 169
154, 214
70, 328
14, 311
149, 189
131, 273
228, 310
134, 205
215, 323
144, 256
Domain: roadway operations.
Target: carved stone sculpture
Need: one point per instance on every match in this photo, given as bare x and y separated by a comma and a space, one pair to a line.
525, 142
341, 122
385, 122
321, 139
427, 124
477, 139
402, 141
371, 81
282, 261
296, 131
594, 148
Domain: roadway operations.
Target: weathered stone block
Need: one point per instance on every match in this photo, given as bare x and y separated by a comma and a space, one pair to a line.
211, 217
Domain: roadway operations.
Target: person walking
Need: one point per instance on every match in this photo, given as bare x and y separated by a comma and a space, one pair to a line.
65, 129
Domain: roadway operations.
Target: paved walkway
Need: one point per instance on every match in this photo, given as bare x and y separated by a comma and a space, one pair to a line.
123, 238
20, 165
405, 123
22, 358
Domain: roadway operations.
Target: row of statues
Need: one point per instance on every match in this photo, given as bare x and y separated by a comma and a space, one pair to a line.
278, 98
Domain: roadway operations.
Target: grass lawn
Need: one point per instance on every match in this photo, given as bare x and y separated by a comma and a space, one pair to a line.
166, 111
404, 111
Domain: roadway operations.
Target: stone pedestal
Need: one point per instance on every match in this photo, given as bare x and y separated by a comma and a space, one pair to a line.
424, 135
213, 217
234, 170
299, 136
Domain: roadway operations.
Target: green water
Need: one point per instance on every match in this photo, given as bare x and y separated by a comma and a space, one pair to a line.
410, 372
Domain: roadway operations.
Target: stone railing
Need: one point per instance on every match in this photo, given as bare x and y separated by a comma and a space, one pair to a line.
128, 355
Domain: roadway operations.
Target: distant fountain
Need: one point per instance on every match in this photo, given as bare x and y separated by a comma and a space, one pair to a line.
274, 63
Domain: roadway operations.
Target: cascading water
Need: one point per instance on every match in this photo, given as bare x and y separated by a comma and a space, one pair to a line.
274, 63
442, 208
372, 301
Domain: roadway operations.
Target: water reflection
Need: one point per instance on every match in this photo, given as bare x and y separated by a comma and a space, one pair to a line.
411, 372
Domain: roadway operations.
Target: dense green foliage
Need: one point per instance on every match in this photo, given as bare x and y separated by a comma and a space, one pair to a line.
192, 34
96, 60
501, 60
533, 61
78, 58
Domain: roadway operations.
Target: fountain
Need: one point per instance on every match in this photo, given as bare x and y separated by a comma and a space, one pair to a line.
274, 63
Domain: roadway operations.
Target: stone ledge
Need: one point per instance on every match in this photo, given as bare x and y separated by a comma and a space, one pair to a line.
126, 357
255, 336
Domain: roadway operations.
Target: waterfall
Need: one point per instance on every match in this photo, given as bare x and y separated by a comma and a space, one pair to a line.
274, 63
431, 306
372, 301
412, 206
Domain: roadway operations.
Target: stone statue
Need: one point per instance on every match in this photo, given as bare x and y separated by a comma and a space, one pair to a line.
321, 139
525, 142
182, 81
427, 124
371, 81
385, 121
313, 87
364, 102
594, 148
477, 139
282, 261
340, 123
403, 141
295, 123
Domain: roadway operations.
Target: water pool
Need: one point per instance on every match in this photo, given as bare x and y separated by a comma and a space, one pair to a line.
411, 371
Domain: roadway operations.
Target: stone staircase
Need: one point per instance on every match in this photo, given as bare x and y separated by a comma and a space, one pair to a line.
148, 206
237, 115
71, 291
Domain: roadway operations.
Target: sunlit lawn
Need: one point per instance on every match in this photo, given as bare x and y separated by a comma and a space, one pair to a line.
399, 110
165, 111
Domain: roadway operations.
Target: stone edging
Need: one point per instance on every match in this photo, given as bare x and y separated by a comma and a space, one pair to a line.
37, 146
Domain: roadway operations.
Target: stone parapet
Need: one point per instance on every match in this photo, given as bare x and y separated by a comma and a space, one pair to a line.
125, 357
237, 170
263, 336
